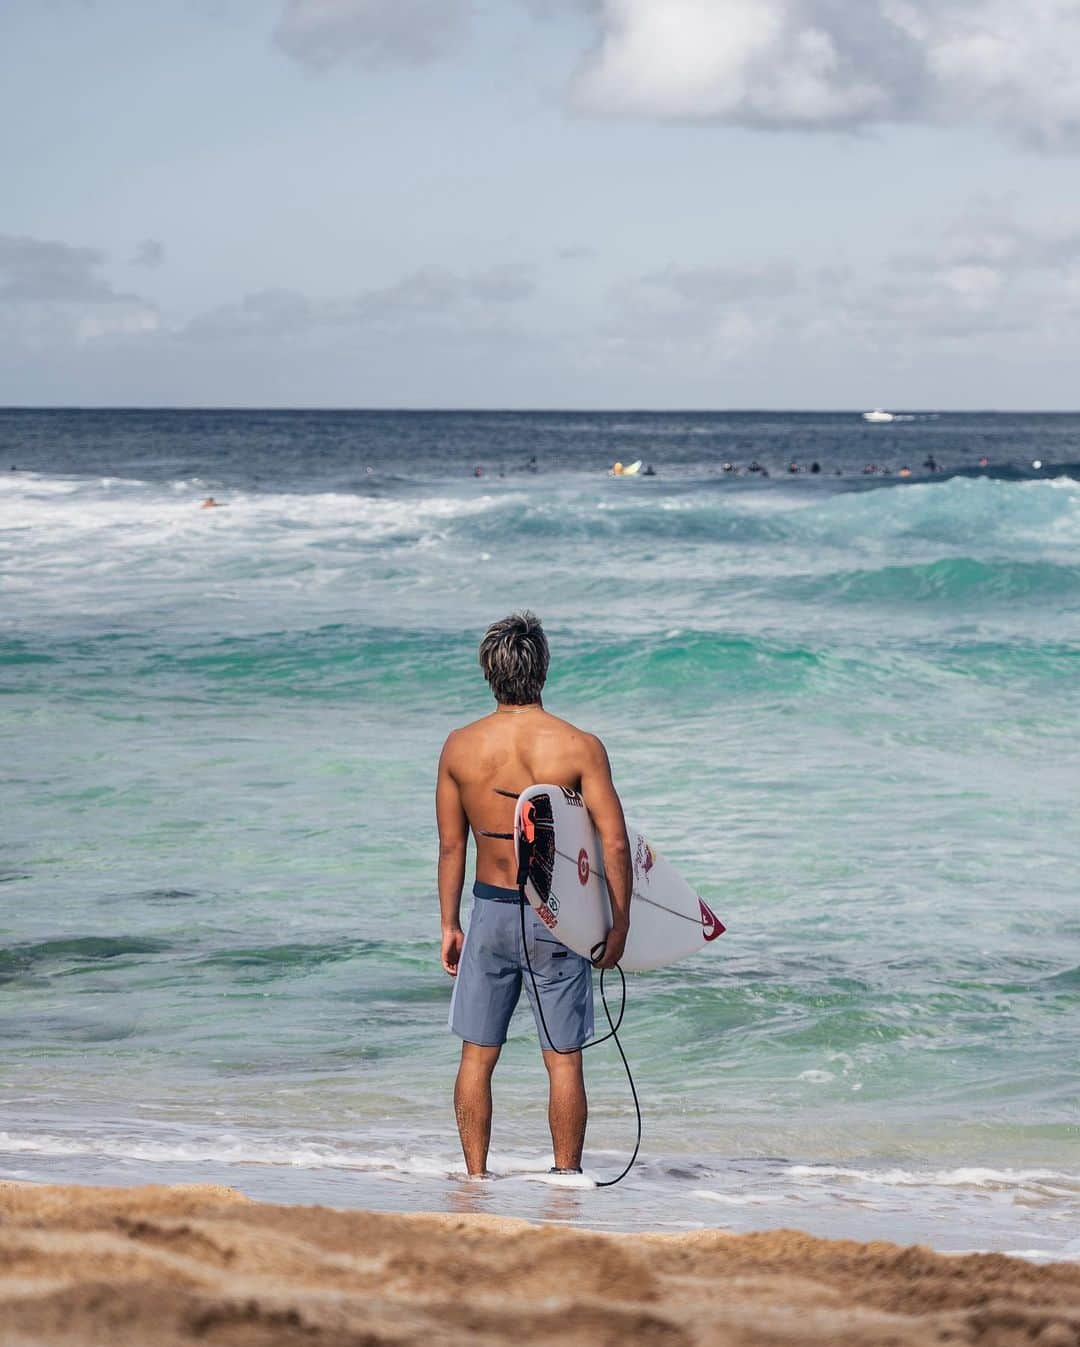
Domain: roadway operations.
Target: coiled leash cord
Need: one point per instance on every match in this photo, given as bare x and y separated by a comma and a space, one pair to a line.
613, 1026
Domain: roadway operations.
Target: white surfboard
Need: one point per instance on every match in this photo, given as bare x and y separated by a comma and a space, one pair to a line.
567, 887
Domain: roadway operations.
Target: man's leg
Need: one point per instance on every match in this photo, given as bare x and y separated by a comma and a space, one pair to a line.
568, 1109
472, 1104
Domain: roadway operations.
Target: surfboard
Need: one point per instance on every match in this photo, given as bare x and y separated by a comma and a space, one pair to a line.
566, 885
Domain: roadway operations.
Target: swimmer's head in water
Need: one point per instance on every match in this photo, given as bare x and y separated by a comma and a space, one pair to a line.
514, 657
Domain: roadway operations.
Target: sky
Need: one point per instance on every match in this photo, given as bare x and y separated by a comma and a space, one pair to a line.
540, 203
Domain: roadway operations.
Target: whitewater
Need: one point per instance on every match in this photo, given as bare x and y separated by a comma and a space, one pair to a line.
845, 705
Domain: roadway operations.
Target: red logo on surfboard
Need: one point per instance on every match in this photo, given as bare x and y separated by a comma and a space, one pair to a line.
711, 925
644, 859
583, 866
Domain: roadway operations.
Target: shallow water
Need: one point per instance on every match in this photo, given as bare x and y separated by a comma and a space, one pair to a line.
845, 706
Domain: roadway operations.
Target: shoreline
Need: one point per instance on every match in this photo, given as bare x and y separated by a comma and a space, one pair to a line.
202, 1262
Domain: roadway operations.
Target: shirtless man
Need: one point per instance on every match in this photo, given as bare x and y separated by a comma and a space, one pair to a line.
515, 746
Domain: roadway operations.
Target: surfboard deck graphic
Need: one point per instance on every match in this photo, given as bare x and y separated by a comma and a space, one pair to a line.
567, 888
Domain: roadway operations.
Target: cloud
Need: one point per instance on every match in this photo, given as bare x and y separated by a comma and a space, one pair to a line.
699, 314
824, 64
55, 293
136, 321
321, 33
431, 295
985, 273
988, 233
505, 284
150, 253
985, 281
271, 312
712, 287
36, 270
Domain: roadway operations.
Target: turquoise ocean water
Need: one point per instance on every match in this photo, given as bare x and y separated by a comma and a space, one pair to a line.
845, 706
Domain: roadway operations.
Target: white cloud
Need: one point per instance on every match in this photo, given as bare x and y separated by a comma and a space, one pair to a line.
136, 321
321, 33
985, 273
799, 64
824, 64
986, 281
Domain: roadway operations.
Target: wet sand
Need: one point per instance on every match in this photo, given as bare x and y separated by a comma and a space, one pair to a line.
155, 1266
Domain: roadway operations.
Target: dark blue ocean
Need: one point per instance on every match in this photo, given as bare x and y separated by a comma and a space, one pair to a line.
846, 704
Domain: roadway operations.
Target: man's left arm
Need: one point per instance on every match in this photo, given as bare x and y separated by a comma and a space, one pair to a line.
453, 840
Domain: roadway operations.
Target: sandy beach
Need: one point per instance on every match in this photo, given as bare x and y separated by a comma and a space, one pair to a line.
200, 1263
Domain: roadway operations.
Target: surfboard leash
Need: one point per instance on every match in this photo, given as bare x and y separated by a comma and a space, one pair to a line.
613, 1025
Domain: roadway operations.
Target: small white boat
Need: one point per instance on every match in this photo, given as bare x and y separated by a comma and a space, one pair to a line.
877, 417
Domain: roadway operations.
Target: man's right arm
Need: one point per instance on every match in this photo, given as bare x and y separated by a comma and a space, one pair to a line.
603, 804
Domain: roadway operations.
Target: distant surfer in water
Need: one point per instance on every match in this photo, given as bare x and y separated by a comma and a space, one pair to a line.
518, 745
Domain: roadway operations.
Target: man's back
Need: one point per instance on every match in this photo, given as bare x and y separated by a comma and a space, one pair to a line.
507, 751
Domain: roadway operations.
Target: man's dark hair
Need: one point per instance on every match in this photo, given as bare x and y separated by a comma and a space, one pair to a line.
514, 657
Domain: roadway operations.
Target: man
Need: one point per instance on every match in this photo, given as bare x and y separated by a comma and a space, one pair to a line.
518, 745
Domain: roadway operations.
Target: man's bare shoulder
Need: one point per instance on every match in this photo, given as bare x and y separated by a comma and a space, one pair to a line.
582, 740
458, 740
471, 730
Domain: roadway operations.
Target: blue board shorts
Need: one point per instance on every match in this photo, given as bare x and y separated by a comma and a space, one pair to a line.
492, 968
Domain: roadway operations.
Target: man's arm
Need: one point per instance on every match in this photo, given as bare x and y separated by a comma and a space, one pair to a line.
602, 802
453, 839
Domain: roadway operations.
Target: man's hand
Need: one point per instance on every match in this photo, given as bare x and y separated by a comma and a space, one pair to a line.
614, 944
452, 942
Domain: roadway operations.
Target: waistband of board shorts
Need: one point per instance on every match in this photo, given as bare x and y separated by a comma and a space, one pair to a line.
493, 893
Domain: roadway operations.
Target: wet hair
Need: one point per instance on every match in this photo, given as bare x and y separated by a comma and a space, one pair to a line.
514, 657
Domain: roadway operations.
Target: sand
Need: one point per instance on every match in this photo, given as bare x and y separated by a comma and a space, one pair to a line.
154, 1266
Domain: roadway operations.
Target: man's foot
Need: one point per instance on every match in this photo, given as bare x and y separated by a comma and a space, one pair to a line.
556, 1170
481, 1174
